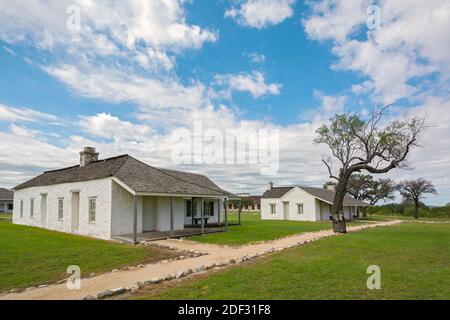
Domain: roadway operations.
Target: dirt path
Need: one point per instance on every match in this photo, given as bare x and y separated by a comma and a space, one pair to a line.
215, 255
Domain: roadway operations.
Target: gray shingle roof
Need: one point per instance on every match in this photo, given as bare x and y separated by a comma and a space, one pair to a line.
6, 194
320, 193
137, 175
276, 192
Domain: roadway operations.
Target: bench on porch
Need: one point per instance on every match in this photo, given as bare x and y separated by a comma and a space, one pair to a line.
198, 221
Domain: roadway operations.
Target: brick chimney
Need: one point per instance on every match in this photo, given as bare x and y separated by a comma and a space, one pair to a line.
87, 156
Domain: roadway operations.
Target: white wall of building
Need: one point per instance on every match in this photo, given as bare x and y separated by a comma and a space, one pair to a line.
100, 189
290, 199
313, 208
122, 211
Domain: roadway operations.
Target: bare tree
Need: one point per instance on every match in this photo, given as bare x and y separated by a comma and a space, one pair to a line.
414, 190
359, 144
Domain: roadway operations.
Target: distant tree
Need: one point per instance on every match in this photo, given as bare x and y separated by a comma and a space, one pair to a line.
363, 187
328, 184
359, 186
364, 144
414, 190
382, 189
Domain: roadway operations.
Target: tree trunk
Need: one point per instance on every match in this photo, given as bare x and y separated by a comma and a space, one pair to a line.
416, 209
339, 225
364, 212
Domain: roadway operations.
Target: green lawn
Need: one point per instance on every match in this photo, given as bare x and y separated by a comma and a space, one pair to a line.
253, 229
6, 216
32, 256
414, 261
382, 217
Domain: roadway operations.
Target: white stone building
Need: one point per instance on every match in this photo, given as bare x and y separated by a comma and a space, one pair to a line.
119, 196
298, 203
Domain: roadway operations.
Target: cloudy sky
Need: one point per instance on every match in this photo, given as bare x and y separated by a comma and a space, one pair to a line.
133, 71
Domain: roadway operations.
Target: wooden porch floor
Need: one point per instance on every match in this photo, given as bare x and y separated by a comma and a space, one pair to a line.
162, 235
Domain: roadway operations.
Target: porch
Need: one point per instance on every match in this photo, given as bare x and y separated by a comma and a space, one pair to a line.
166, 216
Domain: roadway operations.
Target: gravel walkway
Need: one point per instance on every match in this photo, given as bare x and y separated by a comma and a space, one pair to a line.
215, 256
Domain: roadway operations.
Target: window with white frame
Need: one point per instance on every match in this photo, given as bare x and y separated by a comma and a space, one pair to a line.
273, 208
31, 208
21, 208
300, 208
92, 209
60, 209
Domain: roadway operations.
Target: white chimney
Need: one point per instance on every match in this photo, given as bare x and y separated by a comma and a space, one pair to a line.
270, 185
331, 187
87, 156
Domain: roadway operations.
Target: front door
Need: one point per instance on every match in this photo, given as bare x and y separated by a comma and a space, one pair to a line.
44, 210
286, 210
148, 214
75, 211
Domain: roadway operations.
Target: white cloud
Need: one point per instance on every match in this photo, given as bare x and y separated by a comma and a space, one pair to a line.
254, 83
412, 42
10, 51
331, 104
117, 86
12, 114
130, 23
107, 126
261, 13
133, 37
256, 57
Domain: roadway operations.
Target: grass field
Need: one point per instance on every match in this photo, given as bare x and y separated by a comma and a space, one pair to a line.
414, 261
253, 229
32, 256
379, 217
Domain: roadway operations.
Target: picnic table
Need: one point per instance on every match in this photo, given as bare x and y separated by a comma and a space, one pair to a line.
199, 220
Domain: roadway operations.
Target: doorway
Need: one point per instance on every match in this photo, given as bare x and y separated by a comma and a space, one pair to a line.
43, 210
148, 214
286, 210
75, 211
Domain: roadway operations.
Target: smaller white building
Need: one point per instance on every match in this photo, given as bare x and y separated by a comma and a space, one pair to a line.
297, 203
6, 201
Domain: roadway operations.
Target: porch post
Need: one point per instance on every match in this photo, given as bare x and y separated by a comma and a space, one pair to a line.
135, 220
219, 209
171, 217
239, 211
202, 212
226, 213
192, 211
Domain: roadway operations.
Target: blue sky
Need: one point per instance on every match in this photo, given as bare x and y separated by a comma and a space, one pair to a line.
124, 82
